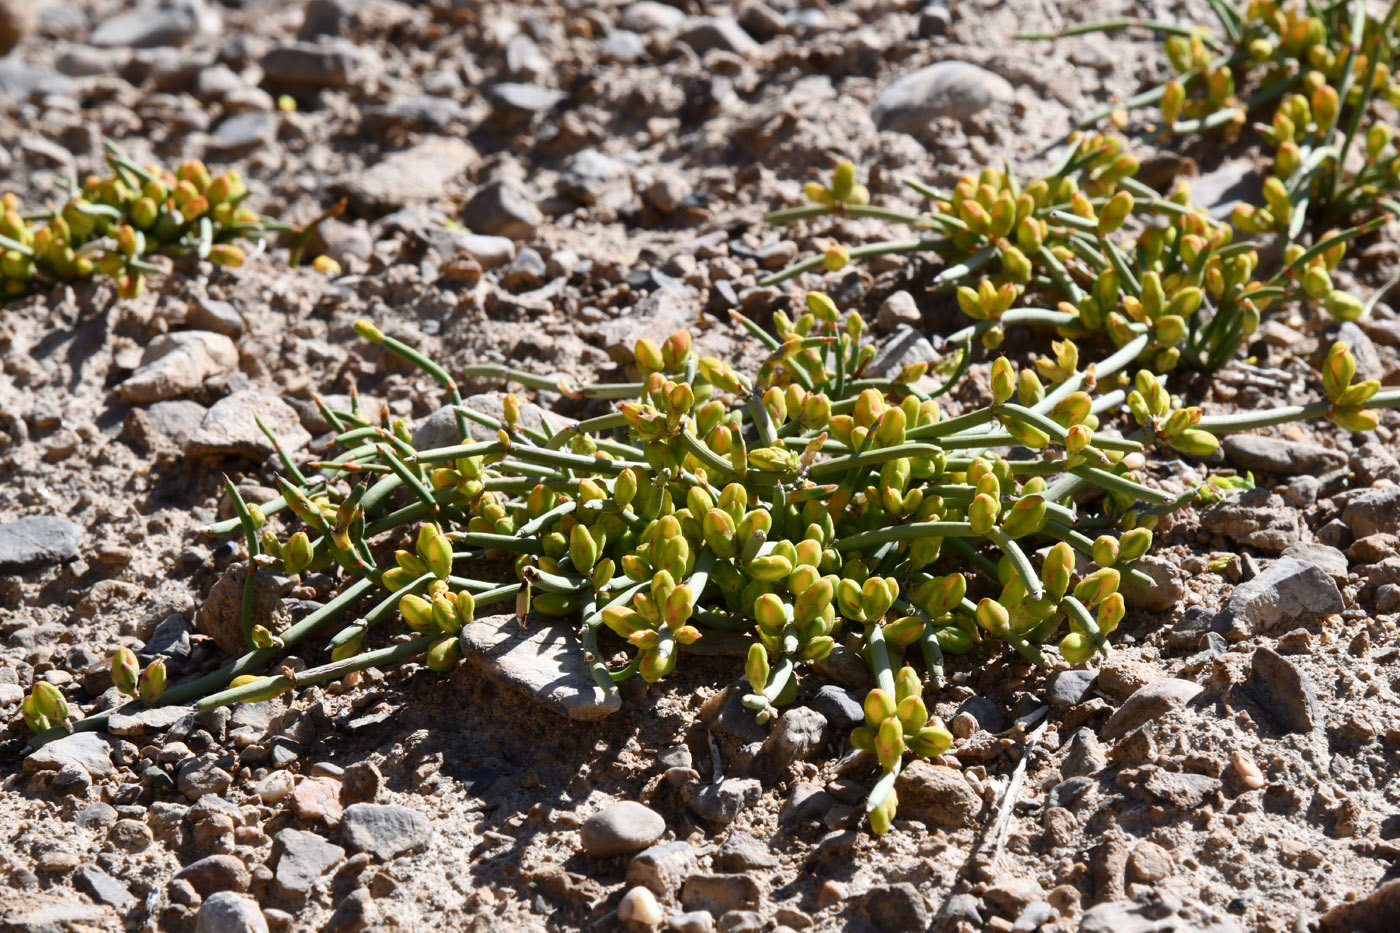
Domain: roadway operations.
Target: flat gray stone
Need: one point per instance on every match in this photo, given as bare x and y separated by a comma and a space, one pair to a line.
953, 89
936, 795
503, 208
905, 345
305, 857
37, 541
721, 33
1288, 591
720, 804
314, 66
596, 179
720, 893
177, 363
89, 750
1255, 518
244, 132
221, 317
624, 828
423, 173
385, 831
147, 721
656, 317
1321, 555
103, 888
1283, 691
842, 708
1183, 790
1374, 512
662, 868
651, 16
1276, 455
1070, 688
55, 912
796, 736
1233, 183
543, 661
1147, 703
149, 26
230, 427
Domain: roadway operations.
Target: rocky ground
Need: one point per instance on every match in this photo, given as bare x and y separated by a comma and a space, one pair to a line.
541, 184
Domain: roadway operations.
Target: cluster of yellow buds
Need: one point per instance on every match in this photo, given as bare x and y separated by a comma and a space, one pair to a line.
117, 224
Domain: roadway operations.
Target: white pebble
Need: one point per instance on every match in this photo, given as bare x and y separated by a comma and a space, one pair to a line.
639, 906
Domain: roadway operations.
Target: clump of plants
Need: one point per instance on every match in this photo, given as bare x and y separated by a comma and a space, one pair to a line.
1309, 75
806, 506
1092, 251
118, 225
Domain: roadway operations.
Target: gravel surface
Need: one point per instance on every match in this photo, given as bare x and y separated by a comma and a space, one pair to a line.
541, 184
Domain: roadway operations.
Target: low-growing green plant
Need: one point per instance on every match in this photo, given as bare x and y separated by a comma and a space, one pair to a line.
1096, 251
116, 225
1319, 68
805, 506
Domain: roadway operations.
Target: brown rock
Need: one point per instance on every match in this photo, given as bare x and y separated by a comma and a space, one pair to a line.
216, 873
17, 21
936, 795
221, 616
1149, 863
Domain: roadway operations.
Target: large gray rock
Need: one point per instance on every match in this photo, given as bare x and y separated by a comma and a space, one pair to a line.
624, 828
304, 858
595, 179
656, 317
154, 25
1276, 455
650, 16
662, 868
721, 33
37, 541
953, 89
317, 66
177, 363
896, 907
1148, 703
103, 888
1374, 512
422, 173
88, 750
1233, 183
796, 736
230, 427
906, 345
720, 804
543, 661
514, 105
385, 831
1288, 591
1255, 518
228, 912
503, 208
1283, 691
1155, 913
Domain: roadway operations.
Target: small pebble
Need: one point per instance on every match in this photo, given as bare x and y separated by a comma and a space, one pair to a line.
639, 906
1249, 772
